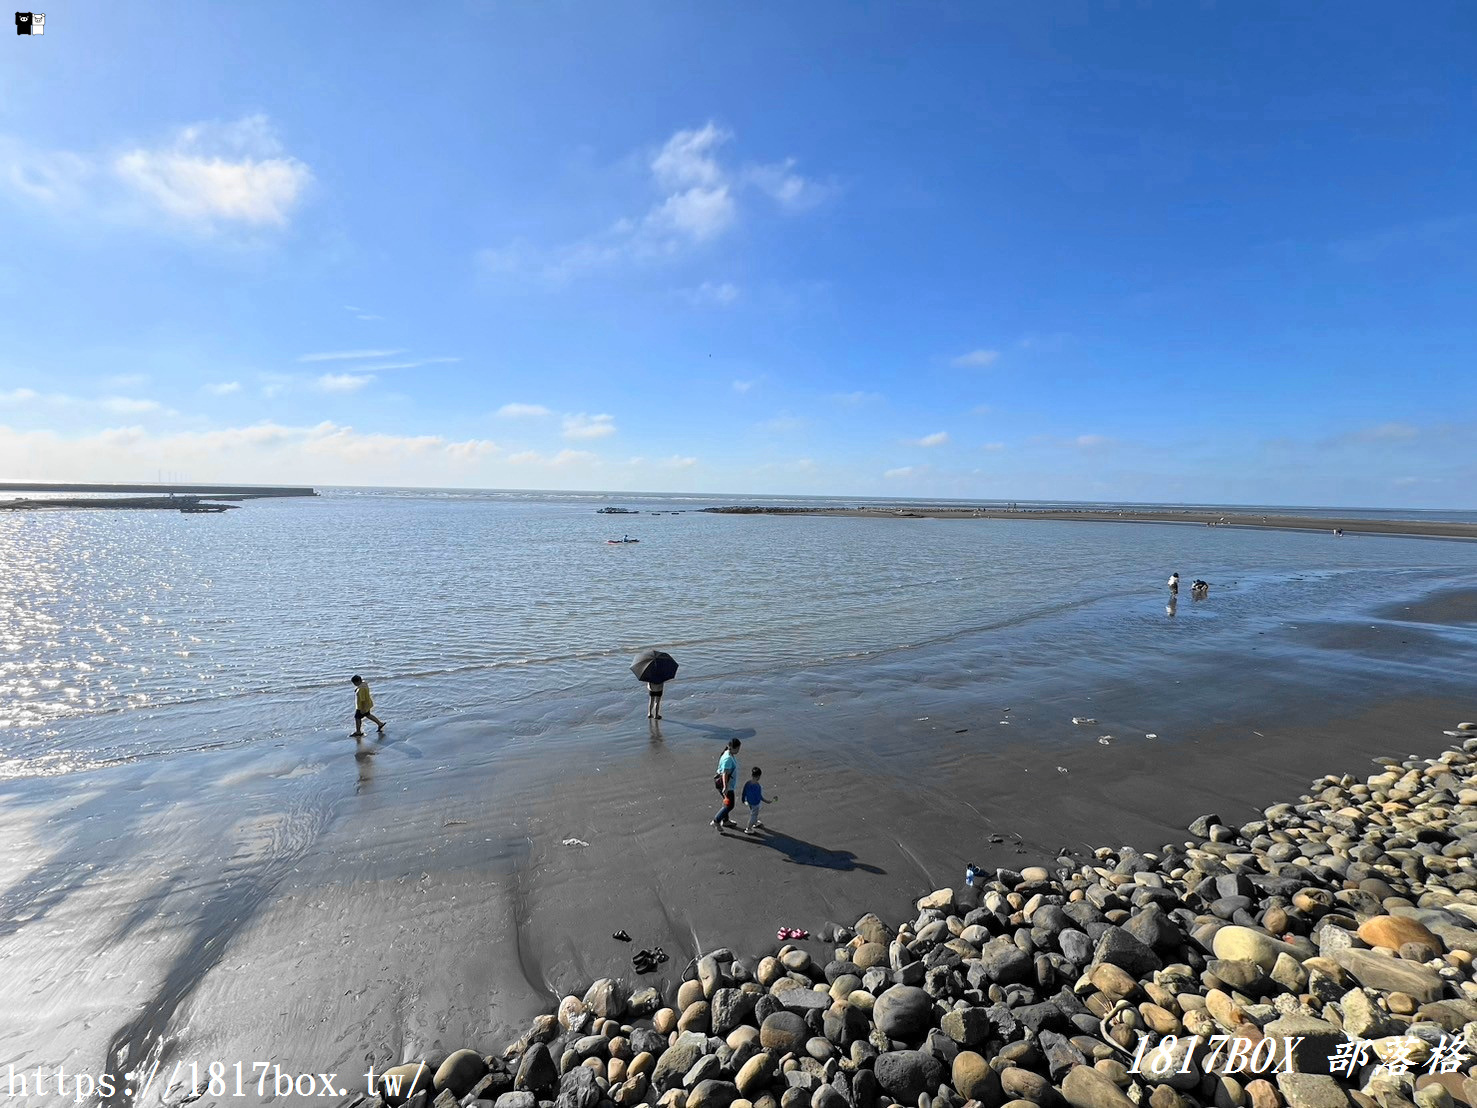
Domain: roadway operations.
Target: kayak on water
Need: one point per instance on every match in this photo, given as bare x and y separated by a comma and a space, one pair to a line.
618, 542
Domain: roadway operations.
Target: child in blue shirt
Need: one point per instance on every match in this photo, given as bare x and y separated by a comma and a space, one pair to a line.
754, 797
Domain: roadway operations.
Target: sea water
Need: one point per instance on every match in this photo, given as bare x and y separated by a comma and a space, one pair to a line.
134, 634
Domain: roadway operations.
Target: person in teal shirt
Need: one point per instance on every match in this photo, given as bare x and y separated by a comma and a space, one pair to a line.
727, 778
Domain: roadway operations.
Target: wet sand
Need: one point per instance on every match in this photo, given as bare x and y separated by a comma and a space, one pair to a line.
321, 905
1417, 528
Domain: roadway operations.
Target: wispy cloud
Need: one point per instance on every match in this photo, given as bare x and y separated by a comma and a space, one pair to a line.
207, 177
938, 438
783, 423
324, 452
219, 173
127, 405
993, 446
360, 313
710, 294
976, 359
417, 364
1092, 442
742, 387
562, 459
343, 382
523, 411
348, 355
903, 471
582, 426
699, 201
223, 388
1380, 433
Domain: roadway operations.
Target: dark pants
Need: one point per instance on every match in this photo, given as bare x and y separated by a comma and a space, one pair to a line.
722, 816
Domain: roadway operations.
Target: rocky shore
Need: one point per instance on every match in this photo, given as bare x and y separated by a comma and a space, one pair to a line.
1347, 917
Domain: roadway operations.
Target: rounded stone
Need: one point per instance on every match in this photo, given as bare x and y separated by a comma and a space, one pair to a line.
664, 1022
1393, 932
1245, 944
868, 955
460, 1072
903, 1012
689, 994
756, 1074
973, 1078
697, 1016
416, 1075
796, 960
1024, 1084
784, 1033
819, 1048
906, 1074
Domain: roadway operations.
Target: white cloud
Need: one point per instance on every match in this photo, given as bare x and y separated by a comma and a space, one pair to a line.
327, 452
219, 173
582, 426
699, 202
742, 387
344, 382
360, 313
523, 411
787, 188
405, 365
126, 405
223, 388
19, 396
902, 471
677, 461
993, 446
711, 294
976, 359
938, 438
348, 355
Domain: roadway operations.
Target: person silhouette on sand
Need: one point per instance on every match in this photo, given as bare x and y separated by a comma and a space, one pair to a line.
363, 707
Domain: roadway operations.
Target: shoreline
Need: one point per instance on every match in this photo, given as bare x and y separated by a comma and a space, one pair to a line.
333, 904
1269, 522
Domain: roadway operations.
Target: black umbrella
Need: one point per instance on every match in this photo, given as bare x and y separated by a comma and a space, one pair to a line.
655, 666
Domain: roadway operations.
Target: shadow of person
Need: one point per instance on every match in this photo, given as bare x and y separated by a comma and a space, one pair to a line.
1172, 606
725, 734
802, 853
365, 757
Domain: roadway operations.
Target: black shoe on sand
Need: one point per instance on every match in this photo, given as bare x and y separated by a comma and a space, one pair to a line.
621, 936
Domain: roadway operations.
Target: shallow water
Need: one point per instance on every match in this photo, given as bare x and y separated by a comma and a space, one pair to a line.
132, 634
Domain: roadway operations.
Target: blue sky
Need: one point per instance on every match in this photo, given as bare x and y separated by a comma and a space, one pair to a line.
1139, 251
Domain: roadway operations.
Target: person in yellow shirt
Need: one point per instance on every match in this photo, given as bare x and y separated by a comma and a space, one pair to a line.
363, 707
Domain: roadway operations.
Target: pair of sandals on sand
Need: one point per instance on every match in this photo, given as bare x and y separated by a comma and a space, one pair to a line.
791, 933
644, 961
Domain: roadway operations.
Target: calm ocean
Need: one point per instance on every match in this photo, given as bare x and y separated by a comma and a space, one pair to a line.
134, 634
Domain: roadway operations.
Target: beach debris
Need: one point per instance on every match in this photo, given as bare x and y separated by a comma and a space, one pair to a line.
574, 842
961, 730
1061, 769
621, 936
1005, 723
1082, 721
921, 719
791, 933
1105, 739
455, 823
1468, 726
1151, 735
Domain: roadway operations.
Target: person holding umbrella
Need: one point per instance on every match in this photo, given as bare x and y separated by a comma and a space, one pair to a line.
656, 668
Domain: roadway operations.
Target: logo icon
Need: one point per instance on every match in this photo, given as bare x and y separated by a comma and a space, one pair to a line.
30, 23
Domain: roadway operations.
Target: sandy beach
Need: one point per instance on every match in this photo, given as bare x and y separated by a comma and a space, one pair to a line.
1350, 525
326, 905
